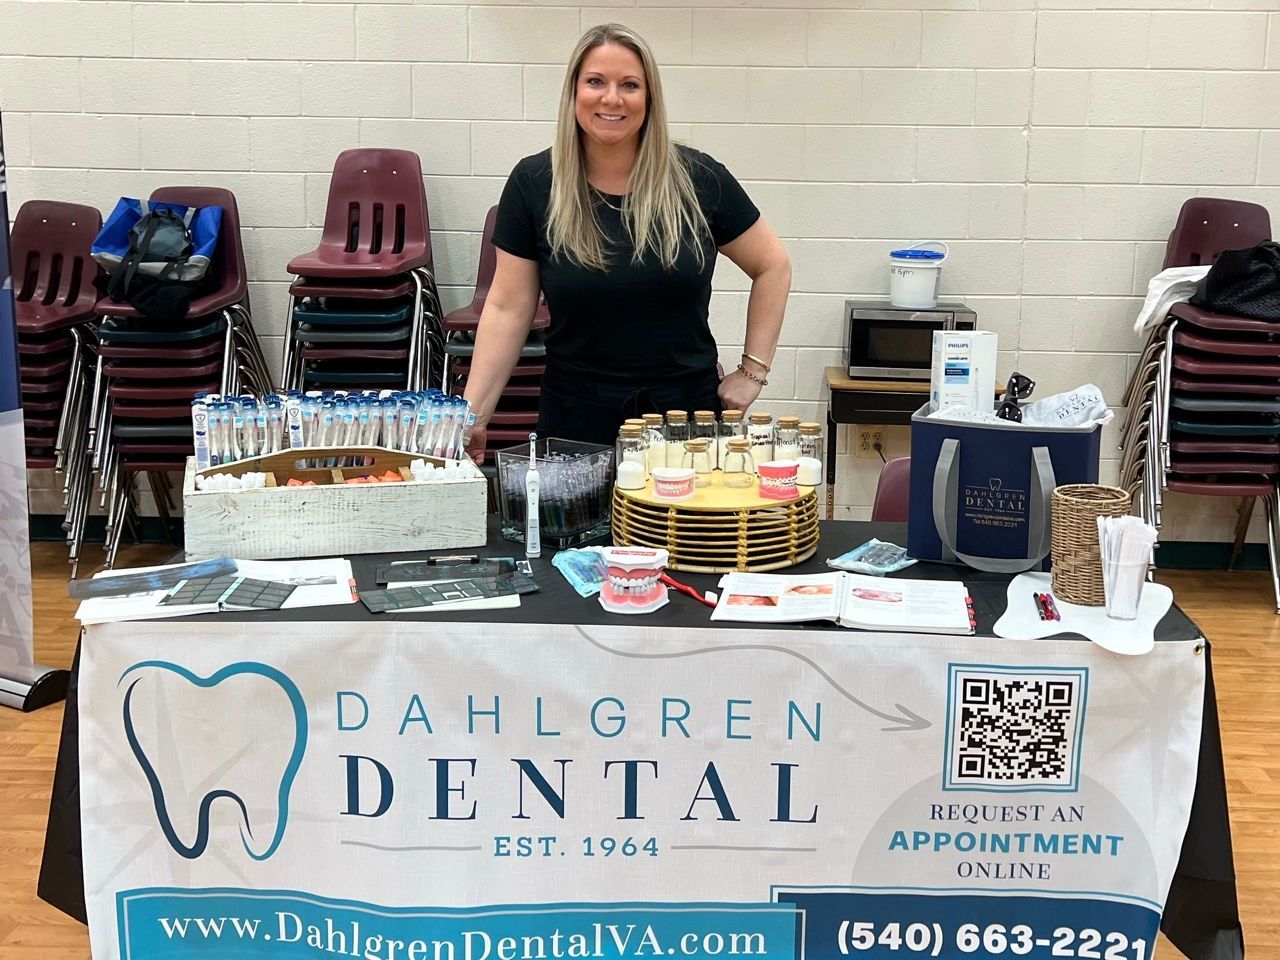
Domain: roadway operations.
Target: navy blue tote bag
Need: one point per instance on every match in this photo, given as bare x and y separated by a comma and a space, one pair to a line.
980, 493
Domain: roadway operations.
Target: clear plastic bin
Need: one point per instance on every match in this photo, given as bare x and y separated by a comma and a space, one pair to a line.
575, 491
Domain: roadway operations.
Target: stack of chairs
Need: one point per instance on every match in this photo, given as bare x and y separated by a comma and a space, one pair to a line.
54, 301
517, 411
1204, 401
364, 309
148, 371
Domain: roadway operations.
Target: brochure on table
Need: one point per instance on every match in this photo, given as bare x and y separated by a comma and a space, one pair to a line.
849, 599
319, 583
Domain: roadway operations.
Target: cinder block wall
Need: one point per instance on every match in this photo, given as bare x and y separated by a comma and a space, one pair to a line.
1050, 142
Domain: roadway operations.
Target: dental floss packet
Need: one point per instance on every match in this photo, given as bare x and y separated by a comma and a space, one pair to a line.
874, 558
584, 569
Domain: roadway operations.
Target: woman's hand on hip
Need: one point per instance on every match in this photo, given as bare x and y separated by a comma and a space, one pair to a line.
738, 392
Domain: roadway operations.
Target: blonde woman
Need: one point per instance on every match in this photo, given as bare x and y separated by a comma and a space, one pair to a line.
620, 228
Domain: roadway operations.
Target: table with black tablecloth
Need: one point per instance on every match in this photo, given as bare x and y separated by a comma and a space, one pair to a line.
1201, 916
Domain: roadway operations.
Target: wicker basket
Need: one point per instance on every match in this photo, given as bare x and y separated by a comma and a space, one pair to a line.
1077, 561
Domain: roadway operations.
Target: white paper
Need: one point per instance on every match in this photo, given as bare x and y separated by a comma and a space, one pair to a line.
850, 599
320, 583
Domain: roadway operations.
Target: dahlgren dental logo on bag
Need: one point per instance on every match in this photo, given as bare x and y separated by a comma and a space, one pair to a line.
257, 847
995, 505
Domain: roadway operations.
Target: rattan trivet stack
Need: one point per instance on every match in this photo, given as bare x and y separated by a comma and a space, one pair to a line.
720, 529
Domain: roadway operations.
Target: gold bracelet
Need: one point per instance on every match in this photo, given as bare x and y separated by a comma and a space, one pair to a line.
754, 359
751, 376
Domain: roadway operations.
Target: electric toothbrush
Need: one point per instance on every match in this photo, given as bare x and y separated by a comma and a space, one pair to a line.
532, 533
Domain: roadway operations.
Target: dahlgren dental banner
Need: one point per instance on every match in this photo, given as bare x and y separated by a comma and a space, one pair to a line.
457, 791
16, 670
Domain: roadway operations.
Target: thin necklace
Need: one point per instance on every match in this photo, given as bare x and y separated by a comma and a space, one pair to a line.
604, 199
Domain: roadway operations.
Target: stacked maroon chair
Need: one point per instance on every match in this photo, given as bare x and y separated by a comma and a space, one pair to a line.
54, 300
1204, 404
517, 411
149, 370
364, 310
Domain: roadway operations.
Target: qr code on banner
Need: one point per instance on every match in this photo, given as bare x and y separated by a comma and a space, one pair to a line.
1014, 729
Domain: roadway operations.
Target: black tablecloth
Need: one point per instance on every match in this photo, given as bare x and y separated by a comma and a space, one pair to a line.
1201, 916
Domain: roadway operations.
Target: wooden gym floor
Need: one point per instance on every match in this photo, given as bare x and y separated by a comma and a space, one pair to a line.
1235, 611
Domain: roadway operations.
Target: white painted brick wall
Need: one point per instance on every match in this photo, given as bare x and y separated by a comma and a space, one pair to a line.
1050, 142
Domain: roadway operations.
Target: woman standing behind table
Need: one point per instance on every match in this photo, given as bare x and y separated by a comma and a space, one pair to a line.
619, 228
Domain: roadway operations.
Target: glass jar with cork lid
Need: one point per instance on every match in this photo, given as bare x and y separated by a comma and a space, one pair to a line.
738, 469
697, 457
704, 428
676, 433
812, 461
760, 433
786, 439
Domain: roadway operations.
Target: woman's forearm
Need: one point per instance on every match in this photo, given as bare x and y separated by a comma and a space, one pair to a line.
765, 308
499, 339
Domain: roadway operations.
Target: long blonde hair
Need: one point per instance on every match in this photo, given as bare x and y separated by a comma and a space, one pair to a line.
660, 208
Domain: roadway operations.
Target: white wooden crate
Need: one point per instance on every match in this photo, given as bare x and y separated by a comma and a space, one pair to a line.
276, 523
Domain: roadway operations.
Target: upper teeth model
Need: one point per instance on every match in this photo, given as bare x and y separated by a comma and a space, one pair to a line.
633, 585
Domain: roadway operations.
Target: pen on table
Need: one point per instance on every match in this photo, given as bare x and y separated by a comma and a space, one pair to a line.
1054, 614
1040, 608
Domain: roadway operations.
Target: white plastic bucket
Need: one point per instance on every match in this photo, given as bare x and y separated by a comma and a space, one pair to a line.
914, 273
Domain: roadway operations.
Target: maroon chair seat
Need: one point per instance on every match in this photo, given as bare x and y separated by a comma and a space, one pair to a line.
1193, 465
1222, 321
38, 346
37, 424
199, 350
1257, 388
163, 371
1261, 448
154, 449
1209, 367
154, 463
319, 288
1234, 347
52, 270
41, 406
41, 458
467, 319
51, 367
1223, 486
133, 390
512, 418
39, 389
893, 491
151, 411
1208, 225
230, 275
376, 223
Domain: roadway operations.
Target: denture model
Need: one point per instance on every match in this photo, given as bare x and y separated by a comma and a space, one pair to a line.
633, 585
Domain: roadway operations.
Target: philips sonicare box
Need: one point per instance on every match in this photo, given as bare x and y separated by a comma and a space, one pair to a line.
964, 369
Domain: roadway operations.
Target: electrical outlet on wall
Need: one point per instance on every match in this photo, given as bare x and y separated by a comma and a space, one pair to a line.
865, 441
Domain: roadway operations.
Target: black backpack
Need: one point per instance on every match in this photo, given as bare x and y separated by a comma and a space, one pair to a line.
147, 277
1243, 283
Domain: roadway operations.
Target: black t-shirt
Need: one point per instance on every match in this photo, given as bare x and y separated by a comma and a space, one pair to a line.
634, 323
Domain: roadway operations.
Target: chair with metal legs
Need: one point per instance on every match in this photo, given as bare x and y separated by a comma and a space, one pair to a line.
1204, 399
374, 257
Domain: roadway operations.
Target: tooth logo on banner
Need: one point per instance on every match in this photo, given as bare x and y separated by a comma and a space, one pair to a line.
197, 847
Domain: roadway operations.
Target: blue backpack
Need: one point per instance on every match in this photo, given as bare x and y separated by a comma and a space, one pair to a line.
143, 242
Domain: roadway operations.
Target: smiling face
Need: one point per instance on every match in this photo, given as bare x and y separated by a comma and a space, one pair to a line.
611, 96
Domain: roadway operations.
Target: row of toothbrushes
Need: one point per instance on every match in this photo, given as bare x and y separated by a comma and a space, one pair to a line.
427, 422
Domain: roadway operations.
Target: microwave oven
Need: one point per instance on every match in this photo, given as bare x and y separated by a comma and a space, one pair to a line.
883, 342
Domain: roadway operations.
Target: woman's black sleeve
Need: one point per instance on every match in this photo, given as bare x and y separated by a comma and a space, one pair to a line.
515, 229
733, 213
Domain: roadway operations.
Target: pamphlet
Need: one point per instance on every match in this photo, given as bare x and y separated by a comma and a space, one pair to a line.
849, 599
317, 583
